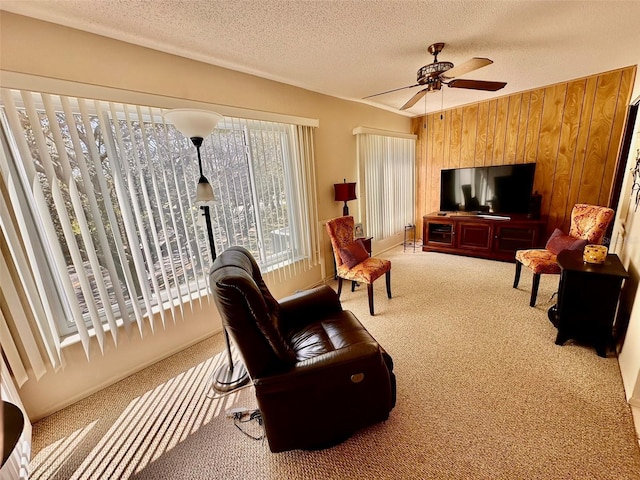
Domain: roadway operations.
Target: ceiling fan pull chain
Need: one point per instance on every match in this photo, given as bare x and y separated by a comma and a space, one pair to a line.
425, 113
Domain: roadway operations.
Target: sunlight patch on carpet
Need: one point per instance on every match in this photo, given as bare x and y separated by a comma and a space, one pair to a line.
148, 427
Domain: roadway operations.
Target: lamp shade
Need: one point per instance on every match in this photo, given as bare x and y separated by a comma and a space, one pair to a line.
192, 122
345, 191
204, 192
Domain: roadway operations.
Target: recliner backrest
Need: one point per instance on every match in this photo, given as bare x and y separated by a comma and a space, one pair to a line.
249, 312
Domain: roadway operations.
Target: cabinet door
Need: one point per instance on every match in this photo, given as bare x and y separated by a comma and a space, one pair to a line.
438, 233
473, 235
510, 238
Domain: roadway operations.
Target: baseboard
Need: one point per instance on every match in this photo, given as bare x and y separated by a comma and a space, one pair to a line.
124, 374
389, 248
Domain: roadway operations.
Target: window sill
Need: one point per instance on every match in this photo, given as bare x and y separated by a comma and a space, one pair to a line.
75, 338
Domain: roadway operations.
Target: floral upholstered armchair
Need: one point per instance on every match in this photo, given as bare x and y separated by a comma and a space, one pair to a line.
589, 224
352, 259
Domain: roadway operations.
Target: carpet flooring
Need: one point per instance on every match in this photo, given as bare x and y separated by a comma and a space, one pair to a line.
483, 393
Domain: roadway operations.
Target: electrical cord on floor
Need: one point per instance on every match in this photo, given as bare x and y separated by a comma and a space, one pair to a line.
240, 418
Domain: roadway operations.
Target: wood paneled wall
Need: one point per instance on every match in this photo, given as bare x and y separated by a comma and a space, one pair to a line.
571, 130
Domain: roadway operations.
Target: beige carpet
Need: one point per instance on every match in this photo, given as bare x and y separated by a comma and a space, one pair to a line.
483, 393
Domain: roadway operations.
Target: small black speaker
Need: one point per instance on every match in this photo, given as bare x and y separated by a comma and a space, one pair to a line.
535, 203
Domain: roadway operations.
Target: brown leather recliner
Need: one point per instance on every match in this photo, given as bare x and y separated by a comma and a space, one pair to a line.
318, 373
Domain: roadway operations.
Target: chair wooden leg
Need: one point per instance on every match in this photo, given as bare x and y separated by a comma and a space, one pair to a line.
339, 286
388, 280
353, 285
516, 279
370, 294
534, 289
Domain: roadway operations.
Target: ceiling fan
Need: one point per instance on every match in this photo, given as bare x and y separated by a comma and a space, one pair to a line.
436, 74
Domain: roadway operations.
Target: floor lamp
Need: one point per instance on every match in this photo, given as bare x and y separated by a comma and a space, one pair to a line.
196, 125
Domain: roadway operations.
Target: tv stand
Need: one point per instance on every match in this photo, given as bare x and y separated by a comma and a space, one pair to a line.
496, 237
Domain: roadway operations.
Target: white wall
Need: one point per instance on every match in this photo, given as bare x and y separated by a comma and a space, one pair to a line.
52, 52
626, 244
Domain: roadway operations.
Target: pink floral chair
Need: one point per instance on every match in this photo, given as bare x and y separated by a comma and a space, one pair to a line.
589, 224
352, 259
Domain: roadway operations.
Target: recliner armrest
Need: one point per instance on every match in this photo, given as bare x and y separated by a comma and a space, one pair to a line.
308, 305
306, 372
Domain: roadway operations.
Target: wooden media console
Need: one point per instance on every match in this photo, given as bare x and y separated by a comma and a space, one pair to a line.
488, 236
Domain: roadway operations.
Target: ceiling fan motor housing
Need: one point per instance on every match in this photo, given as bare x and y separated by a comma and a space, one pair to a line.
431, 72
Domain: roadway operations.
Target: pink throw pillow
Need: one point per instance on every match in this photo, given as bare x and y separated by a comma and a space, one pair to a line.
558, 242
353, 254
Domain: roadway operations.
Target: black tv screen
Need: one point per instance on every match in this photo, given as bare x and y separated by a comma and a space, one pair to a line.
495, 189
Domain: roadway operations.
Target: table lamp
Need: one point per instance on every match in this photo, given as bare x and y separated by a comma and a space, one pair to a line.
345, 192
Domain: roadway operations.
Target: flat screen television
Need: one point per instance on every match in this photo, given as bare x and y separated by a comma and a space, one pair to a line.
497, 189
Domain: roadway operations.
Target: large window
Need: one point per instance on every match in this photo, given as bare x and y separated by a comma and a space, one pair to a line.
107, 219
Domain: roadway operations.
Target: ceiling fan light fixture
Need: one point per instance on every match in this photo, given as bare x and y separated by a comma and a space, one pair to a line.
433, 86
433, 70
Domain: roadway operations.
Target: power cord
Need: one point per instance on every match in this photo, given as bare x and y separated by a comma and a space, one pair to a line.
241, 417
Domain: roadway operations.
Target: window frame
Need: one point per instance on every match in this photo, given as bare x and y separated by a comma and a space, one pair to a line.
67, 327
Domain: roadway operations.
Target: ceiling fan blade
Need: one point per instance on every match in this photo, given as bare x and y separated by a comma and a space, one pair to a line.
466, 67
413, 100
477, 85
389, 91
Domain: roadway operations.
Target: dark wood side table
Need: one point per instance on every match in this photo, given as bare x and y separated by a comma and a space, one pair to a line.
587, 299
366, 241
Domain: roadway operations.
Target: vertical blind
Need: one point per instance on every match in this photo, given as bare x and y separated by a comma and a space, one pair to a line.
99, 219
387, 164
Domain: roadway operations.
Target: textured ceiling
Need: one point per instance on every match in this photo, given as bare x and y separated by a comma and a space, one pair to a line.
352, 49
